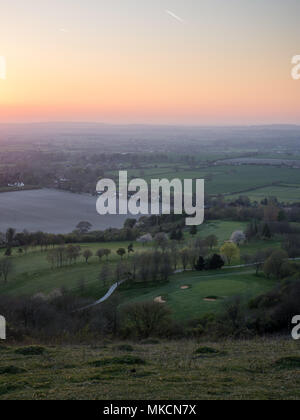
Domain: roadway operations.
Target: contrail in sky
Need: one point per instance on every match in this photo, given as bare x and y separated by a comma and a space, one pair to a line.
175, 16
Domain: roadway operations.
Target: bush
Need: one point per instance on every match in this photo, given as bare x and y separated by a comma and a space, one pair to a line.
215, 262
57, 320
145, 319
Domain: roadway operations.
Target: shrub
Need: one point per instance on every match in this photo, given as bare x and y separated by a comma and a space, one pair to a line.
215, 262
145, 319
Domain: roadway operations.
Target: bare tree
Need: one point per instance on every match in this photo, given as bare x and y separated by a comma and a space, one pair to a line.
105, 274
6, 267
211, 241
87, 254
84, 227
147, 318
162, 241
121, 252
100, 254
107, 253
184, 255
274, 265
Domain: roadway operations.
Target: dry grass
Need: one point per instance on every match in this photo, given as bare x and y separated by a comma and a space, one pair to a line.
172, 370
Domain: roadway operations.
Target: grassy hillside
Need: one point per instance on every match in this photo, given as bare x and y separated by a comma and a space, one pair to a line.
259, 369
32, 274
192, 302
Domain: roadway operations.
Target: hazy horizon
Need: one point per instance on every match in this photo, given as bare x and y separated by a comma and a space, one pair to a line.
132, 124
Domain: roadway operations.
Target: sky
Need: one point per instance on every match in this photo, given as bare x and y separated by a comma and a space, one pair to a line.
197, 62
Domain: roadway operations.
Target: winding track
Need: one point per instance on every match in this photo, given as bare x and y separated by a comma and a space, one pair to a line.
105, 297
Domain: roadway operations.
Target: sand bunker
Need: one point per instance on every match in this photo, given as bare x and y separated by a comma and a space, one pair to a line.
184, 287
159, 299
210, 299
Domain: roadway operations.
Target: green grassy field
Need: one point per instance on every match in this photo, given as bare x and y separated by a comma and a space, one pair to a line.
266, 369
229, 179
32, 274
190, 303
222, 229
287, 193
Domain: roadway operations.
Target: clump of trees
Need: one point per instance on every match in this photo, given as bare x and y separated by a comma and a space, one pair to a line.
63, 255
291, 245
277, 265
51, 319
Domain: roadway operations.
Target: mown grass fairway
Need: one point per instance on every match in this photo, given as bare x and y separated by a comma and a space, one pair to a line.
237, 370
190, 303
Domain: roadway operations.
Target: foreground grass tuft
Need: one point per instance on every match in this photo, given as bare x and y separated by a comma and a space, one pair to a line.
150, 341
125, 347
126, 360
207, 350
11, 370
31, 351
288, 363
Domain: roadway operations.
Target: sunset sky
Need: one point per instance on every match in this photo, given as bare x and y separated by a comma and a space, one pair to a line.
133, 61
